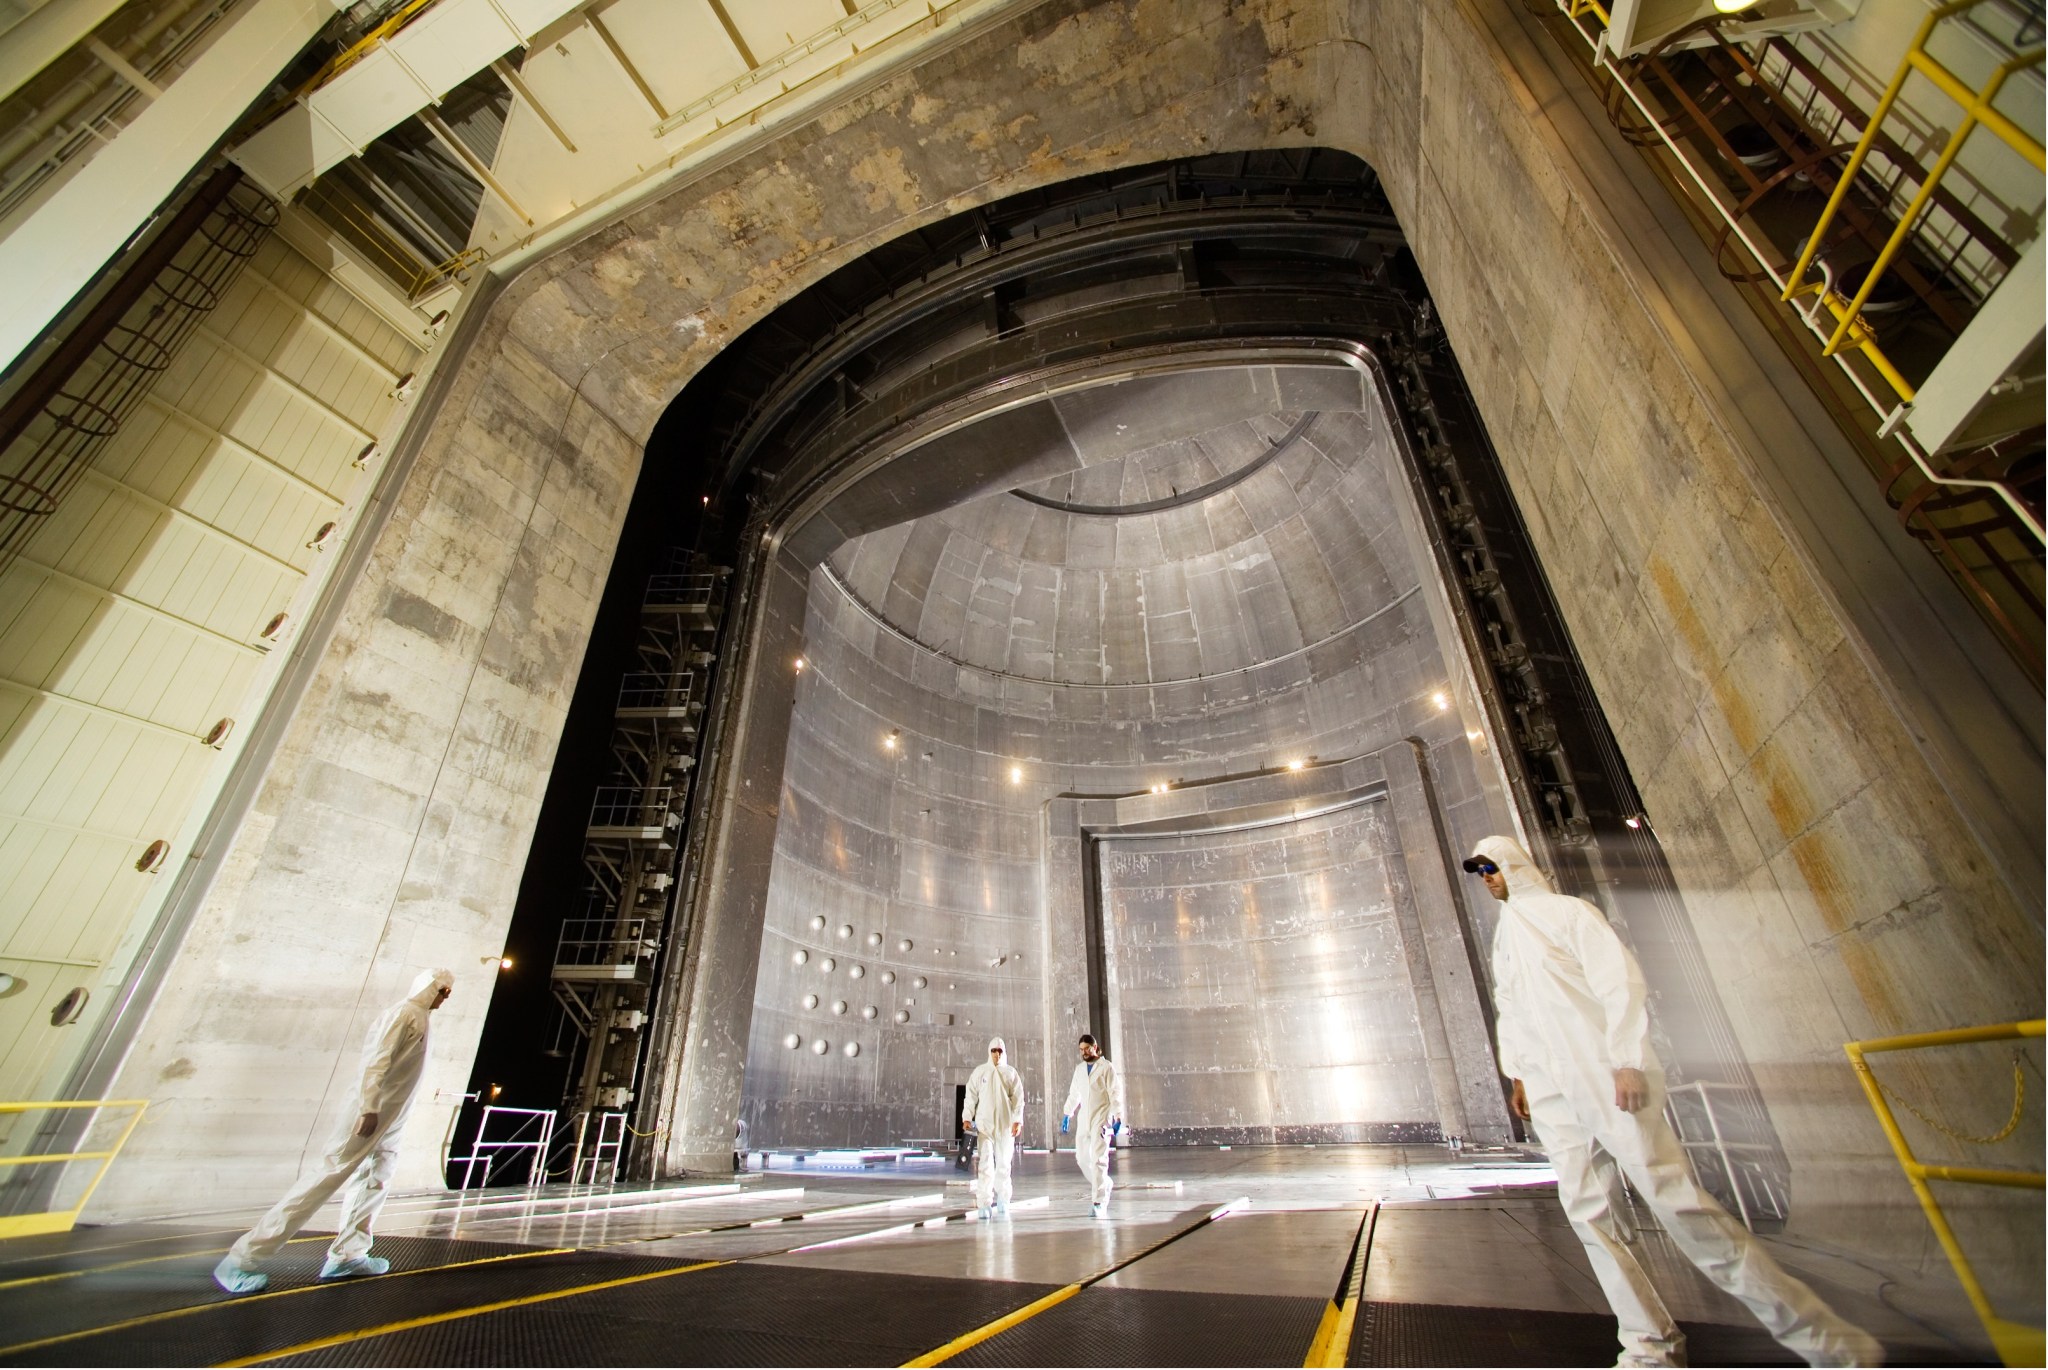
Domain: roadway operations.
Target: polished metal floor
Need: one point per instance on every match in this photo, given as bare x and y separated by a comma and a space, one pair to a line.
1212, 1256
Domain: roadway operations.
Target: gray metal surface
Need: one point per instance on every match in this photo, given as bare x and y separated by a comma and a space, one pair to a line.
1259, 978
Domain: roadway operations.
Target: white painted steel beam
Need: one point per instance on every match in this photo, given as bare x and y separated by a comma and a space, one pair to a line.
46, 35
1979, 392
56, 251
449, 43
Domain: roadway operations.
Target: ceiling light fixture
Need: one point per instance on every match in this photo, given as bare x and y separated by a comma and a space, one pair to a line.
1441, 700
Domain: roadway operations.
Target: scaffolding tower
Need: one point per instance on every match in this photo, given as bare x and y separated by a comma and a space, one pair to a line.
608, 953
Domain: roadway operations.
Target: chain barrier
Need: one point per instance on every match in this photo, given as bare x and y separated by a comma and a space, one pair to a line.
2019, 1099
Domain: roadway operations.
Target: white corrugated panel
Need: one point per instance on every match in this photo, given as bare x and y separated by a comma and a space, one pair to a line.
131, 622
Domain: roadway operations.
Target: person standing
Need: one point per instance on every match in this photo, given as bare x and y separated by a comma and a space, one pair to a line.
362, 1157
1095, 1107
1572, 1014
994, 1113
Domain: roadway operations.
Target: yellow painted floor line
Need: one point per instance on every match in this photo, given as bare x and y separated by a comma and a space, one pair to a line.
1319, 1345
121, 1246
1002, 1324
55, 1275
454, 1315
1331, 1348
168, 1314
940, 1355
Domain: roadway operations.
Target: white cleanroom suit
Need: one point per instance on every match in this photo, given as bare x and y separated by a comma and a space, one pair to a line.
1095, 1102
1572, 1009
995, 1106
394, 1054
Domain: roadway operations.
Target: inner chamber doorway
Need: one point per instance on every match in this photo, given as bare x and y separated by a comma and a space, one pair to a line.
1259, 985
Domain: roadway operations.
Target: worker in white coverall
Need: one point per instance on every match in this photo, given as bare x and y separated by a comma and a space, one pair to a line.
994, 1113
1095, 1108
1574, 1029
362, 1157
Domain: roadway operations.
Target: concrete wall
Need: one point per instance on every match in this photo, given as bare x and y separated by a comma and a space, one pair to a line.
1837, 890
392, 825
1835, 810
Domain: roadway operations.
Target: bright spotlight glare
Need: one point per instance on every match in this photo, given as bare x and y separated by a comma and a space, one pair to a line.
1296, 764
1441, 700
1016, 775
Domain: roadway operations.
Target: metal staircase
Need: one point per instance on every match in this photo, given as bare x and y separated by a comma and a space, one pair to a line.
606, 957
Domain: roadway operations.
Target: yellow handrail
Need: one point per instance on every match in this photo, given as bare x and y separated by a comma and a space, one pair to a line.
1977, 111
61, 1220
2016, 1343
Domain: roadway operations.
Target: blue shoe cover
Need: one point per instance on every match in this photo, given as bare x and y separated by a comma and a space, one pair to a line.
982, 1213
230, 1276
355, 1267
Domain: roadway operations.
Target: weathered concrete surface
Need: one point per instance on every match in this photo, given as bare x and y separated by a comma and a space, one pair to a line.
392, 827
1837, 889
1837, 892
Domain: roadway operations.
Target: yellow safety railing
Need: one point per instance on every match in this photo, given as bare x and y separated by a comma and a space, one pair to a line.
1977, 113
1890, 389
61, 1220
2016, 1343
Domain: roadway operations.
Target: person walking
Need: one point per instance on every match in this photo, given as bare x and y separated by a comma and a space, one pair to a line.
1095, 1107
362, 1157
995, 1115
1572, 1014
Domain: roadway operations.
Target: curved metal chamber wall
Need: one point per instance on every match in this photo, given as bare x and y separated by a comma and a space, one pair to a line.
961, 670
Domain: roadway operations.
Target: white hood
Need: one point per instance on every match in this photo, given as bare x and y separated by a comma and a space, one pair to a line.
1524, 877
428, 984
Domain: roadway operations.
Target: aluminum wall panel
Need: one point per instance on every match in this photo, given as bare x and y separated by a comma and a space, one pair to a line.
1259, 978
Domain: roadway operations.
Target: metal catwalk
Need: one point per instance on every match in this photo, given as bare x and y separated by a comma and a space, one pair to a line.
1215, 1256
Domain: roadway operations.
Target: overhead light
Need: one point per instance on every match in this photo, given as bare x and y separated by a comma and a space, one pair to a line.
1634, 820
800, 664
1016, 775
504, 963
890, 741
1733, 6
1441, 700
1296, 764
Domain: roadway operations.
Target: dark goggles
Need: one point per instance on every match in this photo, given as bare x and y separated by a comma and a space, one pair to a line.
1479, 865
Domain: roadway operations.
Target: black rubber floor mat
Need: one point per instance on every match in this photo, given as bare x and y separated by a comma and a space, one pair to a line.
732, 1315
130, 1251
1157, 1327
221, 1326
1438, 1334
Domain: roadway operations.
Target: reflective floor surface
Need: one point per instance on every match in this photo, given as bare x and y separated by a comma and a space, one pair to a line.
1211, 1256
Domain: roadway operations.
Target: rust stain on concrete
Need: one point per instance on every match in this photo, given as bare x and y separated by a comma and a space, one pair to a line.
1832, 899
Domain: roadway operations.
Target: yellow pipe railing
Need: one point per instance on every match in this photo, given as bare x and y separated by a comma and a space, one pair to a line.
2016, 1343
61, 1220
1850, 327
1977, 112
